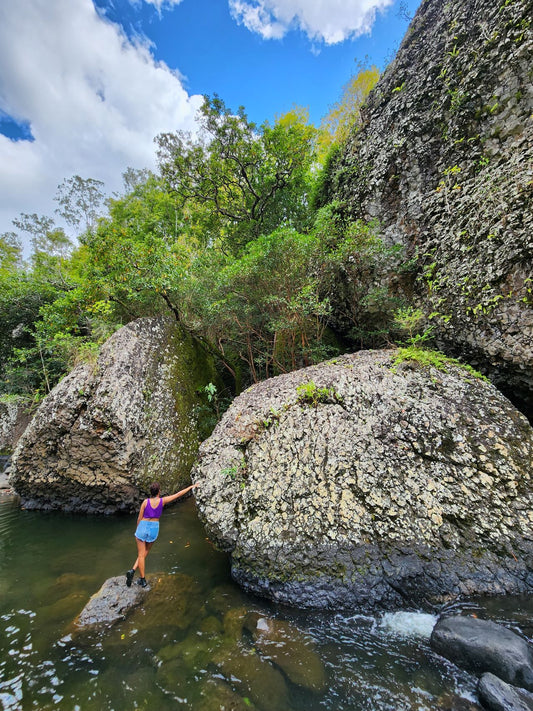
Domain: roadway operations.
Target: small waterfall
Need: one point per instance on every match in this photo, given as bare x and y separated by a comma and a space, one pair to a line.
408, 624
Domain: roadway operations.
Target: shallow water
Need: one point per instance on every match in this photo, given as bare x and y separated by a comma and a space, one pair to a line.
197, 642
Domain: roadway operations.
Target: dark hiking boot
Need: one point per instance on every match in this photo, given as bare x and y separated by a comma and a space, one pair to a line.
129, 577
142, 582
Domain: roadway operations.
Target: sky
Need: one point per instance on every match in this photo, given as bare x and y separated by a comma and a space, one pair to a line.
86, 85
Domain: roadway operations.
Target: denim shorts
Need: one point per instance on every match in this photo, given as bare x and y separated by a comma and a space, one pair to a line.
147, 531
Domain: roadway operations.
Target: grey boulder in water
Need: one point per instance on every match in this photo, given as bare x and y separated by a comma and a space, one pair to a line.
360, 482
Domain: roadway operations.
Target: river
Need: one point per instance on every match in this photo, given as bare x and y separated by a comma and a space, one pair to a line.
181, 650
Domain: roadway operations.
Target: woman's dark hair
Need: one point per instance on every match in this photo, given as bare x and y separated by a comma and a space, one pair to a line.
155, 488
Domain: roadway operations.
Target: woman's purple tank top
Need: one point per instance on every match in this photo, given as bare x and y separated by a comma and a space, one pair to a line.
150, 512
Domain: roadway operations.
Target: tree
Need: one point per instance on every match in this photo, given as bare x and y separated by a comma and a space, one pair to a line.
135, 177
262, 307
359, 275
37, 226
136, 255
10, 253
346, 113
26, 365
239, 171
79, 201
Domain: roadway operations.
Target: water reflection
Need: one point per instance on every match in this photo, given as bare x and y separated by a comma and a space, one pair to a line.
198, 642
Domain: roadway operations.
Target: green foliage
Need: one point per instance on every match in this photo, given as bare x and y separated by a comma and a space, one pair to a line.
12, 398
432, 359
211, 408
358, 277
310, 394
10, 254
136, 256
25, 366
345, 115
263, 306
237, 179
227, 241
237, 471
410, 321
79, 201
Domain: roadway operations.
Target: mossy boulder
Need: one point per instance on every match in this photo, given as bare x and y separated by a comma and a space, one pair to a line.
107, 430
365, 482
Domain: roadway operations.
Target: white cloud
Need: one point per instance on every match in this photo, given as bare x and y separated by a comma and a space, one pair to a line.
94, 101
163, 3
329, 21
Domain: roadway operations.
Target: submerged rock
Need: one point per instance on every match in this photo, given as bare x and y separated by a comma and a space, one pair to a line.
106, 431
289, 649
496, 695
217, 696
358, 482
481, 646
254, 677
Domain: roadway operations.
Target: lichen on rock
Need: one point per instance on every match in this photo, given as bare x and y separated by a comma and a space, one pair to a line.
384, 485
106, 431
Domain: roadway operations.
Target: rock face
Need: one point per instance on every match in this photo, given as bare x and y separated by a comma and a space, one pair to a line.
14, 418
496, 695
444, 161
482, 646
358, 483
105, 432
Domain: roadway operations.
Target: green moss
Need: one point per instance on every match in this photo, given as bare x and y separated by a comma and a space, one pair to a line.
187, 371
432, 359
310, 394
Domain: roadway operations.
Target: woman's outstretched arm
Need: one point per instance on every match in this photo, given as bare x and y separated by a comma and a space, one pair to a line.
173, 497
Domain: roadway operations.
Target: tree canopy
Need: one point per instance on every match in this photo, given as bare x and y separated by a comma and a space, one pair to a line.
239, 180
226, 239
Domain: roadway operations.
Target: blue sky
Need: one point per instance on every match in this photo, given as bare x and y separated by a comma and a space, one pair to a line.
85, 85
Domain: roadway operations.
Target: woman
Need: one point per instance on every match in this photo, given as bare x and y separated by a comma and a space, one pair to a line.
148, 527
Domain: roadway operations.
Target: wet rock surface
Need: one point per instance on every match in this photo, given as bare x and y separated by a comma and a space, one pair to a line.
4, 482
293, 652
444, 161
482, 646
111, 603
358, 483
106, 431
496, 695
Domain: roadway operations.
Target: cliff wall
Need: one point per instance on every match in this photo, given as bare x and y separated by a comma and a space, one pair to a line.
444, 161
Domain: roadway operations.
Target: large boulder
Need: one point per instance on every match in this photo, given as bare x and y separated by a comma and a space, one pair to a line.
496, 695
15, 416
482, 646
444, 161
106, 431
362, 482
